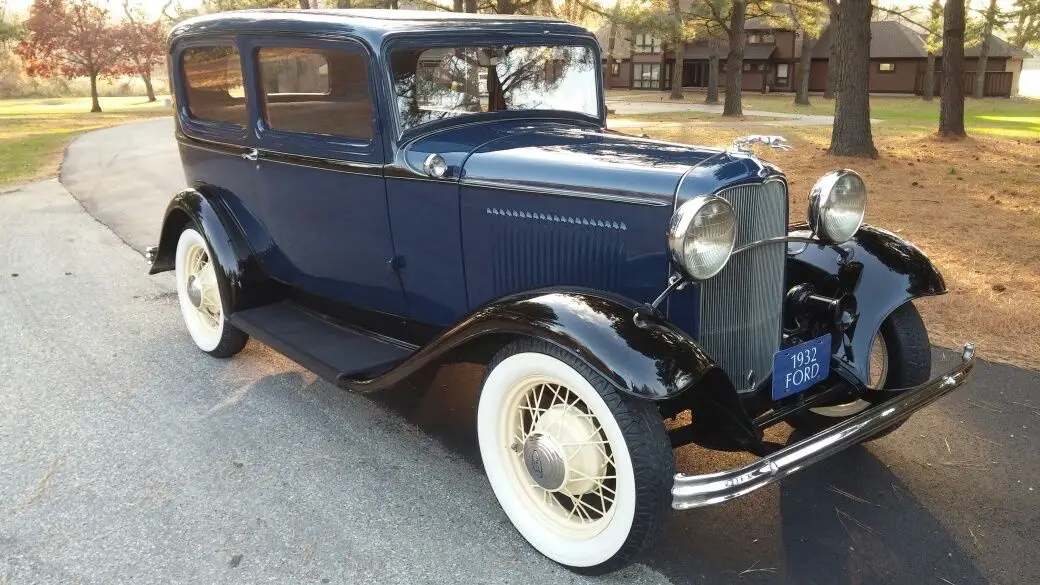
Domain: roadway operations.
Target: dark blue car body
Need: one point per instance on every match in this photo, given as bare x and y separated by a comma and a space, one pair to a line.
534, 204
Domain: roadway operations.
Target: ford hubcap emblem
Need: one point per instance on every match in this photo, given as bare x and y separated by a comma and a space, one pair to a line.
544, 461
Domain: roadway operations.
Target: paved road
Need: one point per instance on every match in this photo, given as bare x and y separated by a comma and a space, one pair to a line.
128, 455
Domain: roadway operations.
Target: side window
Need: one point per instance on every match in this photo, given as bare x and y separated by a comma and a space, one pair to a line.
213, 83
316, 91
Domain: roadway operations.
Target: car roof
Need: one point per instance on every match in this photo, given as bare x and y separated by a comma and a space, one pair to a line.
372, 25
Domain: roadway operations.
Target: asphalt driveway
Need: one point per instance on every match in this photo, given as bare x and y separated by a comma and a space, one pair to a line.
127, 455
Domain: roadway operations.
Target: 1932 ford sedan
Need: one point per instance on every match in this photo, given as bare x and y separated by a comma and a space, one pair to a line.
373, 192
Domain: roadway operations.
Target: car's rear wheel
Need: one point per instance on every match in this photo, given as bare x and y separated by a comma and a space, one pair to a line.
583, 472
900, 357
198, 292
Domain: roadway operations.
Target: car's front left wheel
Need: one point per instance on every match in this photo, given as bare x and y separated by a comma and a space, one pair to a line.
582, 471
198, 292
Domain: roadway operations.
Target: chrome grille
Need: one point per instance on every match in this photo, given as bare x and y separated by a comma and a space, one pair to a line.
740, 309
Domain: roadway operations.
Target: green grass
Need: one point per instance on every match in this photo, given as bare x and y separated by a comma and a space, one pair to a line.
34, 132
1009, 118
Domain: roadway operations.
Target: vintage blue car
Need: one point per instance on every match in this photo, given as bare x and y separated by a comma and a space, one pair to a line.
375, 192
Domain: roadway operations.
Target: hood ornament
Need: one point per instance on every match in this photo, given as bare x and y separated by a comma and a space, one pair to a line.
747, 143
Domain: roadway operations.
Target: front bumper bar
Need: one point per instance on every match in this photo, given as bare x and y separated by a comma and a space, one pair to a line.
692, 491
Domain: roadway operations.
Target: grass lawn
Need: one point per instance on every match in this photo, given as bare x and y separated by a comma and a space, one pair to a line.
972, 205
1010, 118
34, 133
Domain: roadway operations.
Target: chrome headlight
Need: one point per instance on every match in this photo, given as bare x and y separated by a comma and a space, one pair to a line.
701, 236
837, 203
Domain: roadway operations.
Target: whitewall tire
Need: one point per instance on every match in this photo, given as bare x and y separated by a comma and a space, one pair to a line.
583, 472
198, 293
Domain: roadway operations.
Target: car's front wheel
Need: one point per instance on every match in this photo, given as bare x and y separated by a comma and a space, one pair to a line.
198, 292
583, 472
900, 357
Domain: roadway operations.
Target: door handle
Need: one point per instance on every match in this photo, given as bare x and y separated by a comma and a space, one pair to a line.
251, 154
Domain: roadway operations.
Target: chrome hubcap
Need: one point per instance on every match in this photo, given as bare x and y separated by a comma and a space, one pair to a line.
195, 291
545, 461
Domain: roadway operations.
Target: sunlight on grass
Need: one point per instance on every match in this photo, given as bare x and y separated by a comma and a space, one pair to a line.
1011, 119
34, 132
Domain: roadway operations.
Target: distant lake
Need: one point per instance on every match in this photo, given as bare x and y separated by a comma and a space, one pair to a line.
1029, 85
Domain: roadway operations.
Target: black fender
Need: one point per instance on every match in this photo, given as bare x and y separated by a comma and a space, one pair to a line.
882, 271
652, 360
244, 283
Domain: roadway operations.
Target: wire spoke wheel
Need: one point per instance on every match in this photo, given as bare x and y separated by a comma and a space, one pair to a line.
583, 472
198, 293
877, 372
559, 453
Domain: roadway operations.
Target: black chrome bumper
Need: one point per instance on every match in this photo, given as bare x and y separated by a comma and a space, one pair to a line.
691, 491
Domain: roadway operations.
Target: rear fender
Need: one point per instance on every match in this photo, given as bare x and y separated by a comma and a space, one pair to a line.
245, 283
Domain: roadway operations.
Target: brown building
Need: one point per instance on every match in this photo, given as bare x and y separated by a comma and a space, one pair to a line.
771, 53
898, 60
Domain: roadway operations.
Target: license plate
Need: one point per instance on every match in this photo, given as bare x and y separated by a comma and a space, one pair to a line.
799, 367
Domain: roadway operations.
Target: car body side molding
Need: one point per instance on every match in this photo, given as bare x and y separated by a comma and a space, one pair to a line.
652, 360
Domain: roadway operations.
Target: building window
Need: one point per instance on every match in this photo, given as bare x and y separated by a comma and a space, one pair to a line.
781, 73
316, 91
646, 76
647, 44
750, 66
887, 67
615, 68
214, 84
754, 38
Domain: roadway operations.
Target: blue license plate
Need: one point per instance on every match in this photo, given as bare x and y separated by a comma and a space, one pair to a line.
799, 367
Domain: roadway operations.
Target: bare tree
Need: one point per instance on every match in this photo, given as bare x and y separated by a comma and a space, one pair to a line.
932, 44
735, 60
832, 51
851, 134
951, 104
713, 71
990, 20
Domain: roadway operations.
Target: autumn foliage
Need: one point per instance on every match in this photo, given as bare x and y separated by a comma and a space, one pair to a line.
77, 38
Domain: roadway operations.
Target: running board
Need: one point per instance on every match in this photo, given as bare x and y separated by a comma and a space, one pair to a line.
329, 350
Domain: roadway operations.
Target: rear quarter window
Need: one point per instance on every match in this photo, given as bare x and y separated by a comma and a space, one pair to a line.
213, 84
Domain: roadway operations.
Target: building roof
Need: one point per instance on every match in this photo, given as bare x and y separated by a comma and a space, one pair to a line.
894, 40
373, 25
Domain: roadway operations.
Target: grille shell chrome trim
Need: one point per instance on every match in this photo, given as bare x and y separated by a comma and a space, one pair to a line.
741, 307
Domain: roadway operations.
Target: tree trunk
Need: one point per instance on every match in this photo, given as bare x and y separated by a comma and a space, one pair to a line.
832, 52
305, 4
713, 72
471, 6
735, 60
929, 77
851, 134
801, 94
677, 67
980, 70
765, 77
147, 78
951, 102
394, 5
611, 46
342, 3
95, 105
457, 6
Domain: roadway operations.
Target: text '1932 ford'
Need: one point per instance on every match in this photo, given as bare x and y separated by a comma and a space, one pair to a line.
375, 192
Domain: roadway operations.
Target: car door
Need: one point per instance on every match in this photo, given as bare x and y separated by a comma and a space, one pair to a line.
320, 175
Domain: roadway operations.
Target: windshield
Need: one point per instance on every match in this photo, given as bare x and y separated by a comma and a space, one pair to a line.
443, 82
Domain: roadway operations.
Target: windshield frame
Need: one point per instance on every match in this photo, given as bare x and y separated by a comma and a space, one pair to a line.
513, 38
